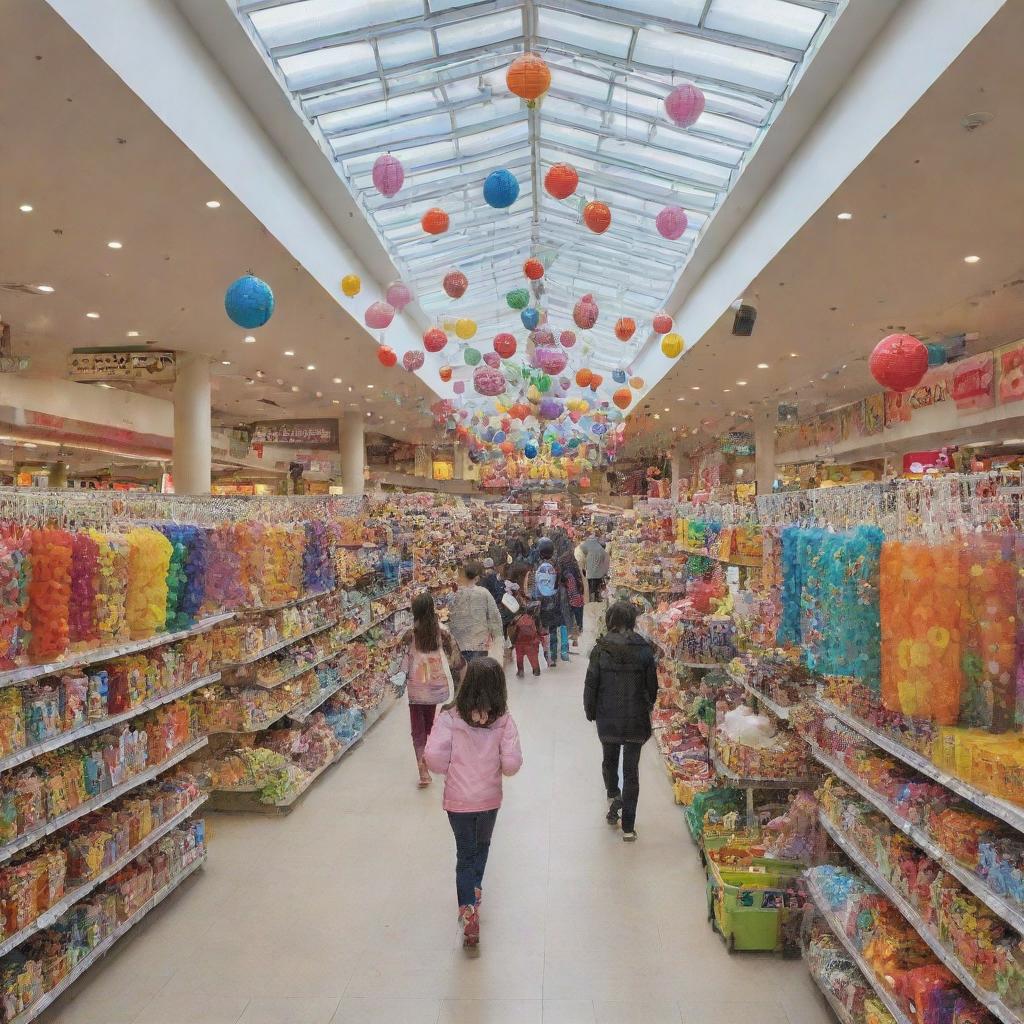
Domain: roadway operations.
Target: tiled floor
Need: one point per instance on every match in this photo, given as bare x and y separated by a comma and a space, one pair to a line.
344, 912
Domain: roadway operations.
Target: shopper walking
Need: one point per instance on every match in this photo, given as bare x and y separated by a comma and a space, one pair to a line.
525, 633
619, 694
432, 666
472, 615
474, 744
491, 582
571, 581
596, 565
546, 593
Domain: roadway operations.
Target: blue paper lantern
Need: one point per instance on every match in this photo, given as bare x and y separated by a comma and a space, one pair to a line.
501, 189
619, 376
557, 449
574, 443
499, 436
530, 451
937, 355
530, 318
599, 429
249, 302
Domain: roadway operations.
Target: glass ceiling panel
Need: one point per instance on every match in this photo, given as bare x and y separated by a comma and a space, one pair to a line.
425, 81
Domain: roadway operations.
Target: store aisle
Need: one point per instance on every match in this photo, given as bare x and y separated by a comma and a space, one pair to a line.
345, 910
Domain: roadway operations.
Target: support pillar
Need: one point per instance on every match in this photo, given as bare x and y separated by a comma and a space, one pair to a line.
58, 474
352, 449
679, 460
193, 431
764, 449
459, 461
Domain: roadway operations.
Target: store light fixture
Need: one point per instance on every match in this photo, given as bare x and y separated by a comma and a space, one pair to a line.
311, 367
762, 366
657, 415
225, 362
295, 387
972, 259
695, 387
45, 288
132, 334
665, 409
726, 391
288, 352
250, 339
337, 380
26, 207
109, 387
793, 355
844, 216
93, 316
370, 385
114, 245
683, 399
741, 383
213, 204
335, 401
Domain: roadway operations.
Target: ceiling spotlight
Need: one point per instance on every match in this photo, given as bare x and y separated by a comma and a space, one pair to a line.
369, 414
114, 245
844, 216
25, 207
665, 409
695, 387
370, 385
131, 334
742, 383
793, 355
213, 204
972, 259
680, 399
337, 380
335, 401
260, 374
311, 367
249, 380
657, 415
46, 288
762, 366
319, 394
294, 387
288, 352
93, 316
726, 391
225, 362
250, 339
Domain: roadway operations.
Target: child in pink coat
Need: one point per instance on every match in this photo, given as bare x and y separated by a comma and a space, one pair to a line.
474, 743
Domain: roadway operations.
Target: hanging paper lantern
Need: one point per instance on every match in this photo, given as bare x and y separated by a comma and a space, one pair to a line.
684, 105
386, 355
388, 174
434, 221
625, 328
412, 360
550, 409
445, 373
507, 447
459, 387
671, 222
585, 312
399, 295
505, 345
465, 328
662, 323
937, 354
550, 360
584, 481
561, 181
622, 398
530, 318
471, 356
519, 411
533, 269
597, 216
379, 315
530, 450
518, 298
528, 77
543, 336
619, 376
596, 380
350, 285
583, 377
636, 383
434, 339
501, 189
488, 382
557, 449
543, 383
493, 360
671, 345
455, 284
249, 302
567, 339
899, 362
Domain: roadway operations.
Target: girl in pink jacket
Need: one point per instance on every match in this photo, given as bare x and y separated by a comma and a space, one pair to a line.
474, 742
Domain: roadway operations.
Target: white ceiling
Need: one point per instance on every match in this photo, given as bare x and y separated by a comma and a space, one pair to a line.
930, 194
97, 165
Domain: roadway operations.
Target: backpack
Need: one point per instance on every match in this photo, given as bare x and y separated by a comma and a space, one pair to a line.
545, 579
430, 676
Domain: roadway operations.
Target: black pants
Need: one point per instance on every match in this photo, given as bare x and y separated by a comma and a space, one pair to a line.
630, 792
596, 588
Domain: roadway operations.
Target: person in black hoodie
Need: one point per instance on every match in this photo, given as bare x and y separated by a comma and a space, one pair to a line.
620, 691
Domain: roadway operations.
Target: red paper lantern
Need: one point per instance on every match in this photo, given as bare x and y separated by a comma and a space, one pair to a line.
561, 180
455, 284
387, 355
505, 345
899, 362
434, 339
662, 323
533, 269
519, 411
528, 77
597, 216
625, 328
434, 221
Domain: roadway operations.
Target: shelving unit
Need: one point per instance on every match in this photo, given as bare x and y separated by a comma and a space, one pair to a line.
883, 993
287, 604
837, 1007
14, 676
740, 782
301, 712
1014, 916
988, 999
279, 646
776, 709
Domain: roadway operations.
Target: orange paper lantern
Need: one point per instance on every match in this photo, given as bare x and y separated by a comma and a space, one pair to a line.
387, 355
596, 380
533, 269
622, 398
561, 180
625, 327
434, 221
583, 377
528, 77
597, 216
445, 373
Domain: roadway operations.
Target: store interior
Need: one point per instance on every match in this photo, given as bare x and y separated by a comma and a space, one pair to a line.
304, 304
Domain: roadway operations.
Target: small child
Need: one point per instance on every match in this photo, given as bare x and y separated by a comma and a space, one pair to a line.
474, 743
525, 634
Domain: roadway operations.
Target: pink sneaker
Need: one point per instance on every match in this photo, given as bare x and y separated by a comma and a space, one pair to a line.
469, 918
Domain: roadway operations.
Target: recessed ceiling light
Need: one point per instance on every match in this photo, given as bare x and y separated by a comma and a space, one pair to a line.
213, 204
294, 387
972, 259
249, 380
93, 316
726, 391
225, 362
370, 385
350, 387
288, 352
114, 245
260, 374
311, 367
335, 401
844, 216
657, 415
742, 383
131, 334
25, 207
369, 414
337, 380
250, 339
695, 387
793, 355
665, 409
762, 366
47, 288
319, 394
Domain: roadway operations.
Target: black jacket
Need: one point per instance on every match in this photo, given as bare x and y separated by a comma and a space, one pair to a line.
621, 687
496, 587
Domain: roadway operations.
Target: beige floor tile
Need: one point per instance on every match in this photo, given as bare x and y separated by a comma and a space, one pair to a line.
172, 1006
262, 1010
727, 1011
568, 1011
490, 1011
386, 1010
638, 1011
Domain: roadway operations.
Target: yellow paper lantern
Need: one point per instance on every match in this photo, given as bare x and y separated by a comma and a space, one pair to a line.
671, 345
636, 383
350, 284
532, 394
465, 328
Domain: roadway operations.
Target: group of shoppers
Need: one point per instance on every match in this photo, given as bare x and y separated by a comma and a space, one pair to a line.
474, 741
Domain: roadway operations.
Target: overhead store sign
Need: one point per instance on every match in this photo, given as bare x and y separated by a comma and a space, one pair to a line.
297, 433
122, 364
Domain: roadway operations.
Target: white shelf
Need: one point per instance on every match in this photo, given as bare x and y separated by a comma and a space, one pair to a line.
279, 646
869, 975
837, 1007
301, 713
988, 999
90, 958
10, 849
998, 808
777, 710
741, 782
55, 742
1012, 915
52, 914
22, 675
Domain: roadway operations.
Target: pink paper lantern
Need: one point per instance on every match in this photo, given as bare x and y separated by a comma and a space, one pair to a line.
550, 360
459, 387
399, 295
543, 336
488, 381
898, 362
684, 105
662, 323
412, 360
492, 359
671, 222
567, 339
379, 315
585, 312
388, 174
455, 284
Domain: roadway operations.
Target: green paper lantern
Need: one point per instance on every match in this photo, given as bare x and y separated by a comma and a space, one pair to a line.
543, 383
471, 356
518, 298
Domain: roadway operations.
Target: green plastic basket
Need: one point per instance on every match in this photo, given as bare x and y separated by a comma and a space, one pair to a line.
721, 800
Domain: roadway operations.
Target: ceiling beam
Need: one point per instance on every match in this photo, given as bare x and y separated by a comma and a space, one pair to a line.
388, 120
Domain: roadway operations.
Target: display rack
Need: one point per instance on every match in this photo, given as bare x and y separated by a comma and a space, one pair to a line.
740, 782
294, 603
279, 646
303, 710
776, 709
988, 999
844, 1016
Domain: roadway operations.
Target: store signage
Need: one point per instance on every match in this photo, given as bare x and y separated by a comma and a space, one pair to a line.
301, 433
122, 364
972, 382
1011, 372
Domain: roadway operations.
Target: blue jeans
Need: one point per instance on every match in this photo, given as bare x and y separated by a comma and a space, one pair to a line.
473, 655
558, 636
472, 844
